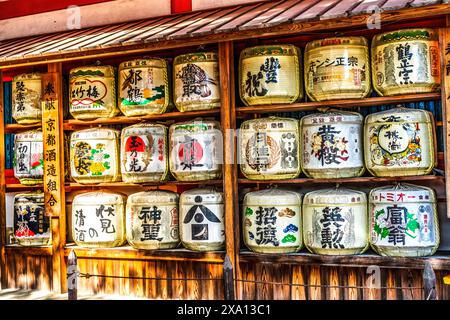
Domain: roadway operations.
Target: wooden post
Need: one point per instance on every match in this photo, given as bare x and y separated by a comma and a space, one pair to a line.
228, 280
4, 280
228, 121
72, 275
52, 128
444, 43
429, 282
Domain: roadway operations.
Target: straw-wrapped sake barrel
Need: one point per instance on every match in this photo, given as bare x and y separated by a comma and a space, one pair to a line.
98, 219
335, 221
196, 82
28, 157
152, 220
31, 225
270, 74
144, 153
404, 221
332, 145
272, 221
406, 62
26, 98
202, 225
94, 155
143, 87
92, 92
337, 68
270, 148
196, 150
399, 142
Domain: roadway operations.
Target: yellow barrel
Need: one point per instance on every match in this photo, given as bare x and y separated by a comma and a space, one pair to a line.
406, 62
98, 219
143, 87
94, 155
92, 92
269, 148
270, 75
196, 82
337, 68
28, 157
272, 221
404, 221
399, 142
26, 98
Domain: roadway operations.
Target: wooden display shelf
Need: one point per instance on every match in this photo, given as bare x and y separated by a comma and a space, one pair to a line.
349, 103
20, 187
76, 186
15, 127
73, 124
30, 251
344, 180
129, 253
439, 261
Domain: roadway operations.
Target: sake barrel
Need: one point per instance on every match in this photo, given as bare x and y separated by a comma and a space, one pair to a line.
335, 221
28, 157
196, 81
332, 145
98, 219
399, 142
31, 225
270, 148
26, 98
404, 221
144, 153
152, 220
92, 91
272, 221
337, 68
406, 62
196, 150
94, 155
202, 220
270, 74
143, 87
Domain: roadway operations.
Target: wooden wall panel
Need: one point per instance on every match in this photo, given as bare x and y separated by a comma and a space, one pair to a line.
28, 272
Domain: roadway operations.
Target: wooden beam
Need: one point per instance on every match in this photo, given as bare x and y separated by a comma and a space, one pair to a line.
2, 189
228, 121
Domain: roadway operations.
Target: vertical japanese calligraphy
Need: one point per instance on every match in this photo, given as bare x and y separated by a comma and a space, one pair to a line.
28, 158
26, 98
444, 40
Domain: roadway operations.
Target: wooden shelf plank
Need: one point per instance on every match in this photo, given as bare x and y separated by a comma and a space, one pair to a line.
129, 253
75, 186
73, 124
15, 127
349, 103
20, 187
343, 180
30, 251
439, 261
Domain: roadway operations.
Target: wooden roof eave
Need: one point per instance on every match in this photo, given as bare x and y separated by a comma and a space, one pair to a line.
288, 28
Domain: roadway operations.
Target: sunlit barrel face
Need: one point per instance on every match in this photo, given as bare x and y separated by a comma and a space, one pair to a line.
404, 220
26, 98
29, 157
406, 62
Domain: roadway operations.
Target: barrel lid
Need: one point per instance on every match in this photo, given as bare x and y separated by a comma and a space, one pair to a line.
153, 197
144, 63
399, 114
273, 50
143, 126
35, 134
196, 57
95, 133
405, 35
98, 198
402, 193
198, 125
335, 196
273, 195
332, 117
336, 41
271, 123
28, 76
92, 71
201, 195
26, 196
